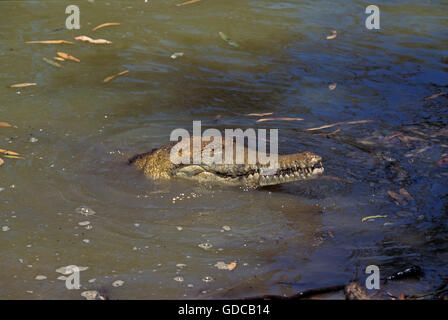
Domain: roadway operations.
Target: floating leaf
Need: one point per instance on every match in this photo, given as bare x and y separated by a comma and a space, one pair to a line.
224, 266
58, 59
94, 41
187, 3
4, 124
23, 85
406, 194
228, 40
259, 114
107, 24
66, 56
8, 152
13, 157
338, 124
51, 42
333, 35
279, 119
177, 55
373, 217
396, 196
55, 64
110, 78
436, 95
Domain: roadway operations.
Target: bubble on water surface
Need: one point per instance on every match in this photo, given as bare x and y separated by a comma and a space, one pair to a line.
117, 283
205, 246
207, 279
86, 211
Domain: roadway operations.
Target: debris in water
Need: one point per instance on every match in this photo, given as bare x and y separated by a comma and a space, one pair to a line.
228, 40
332, 86
23, 85
5, 228
226, 228
411, 272
436, 95
40, 277
406, 194
279, 119
224, 266
110, 78
179, 279
94, 41
373, 217
259, 114
2, 161
177, 55
207, 279
9, 153
4, 124
51, 42
107, 24
84, 223
92, 295
59, 59
66, 56
117, 283
86, 211
54, 64
205, 246
338, 124
187, 2
333, 35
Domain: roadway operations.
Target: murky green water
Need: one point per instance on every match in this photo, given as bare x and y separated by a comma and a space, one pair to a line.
309, 233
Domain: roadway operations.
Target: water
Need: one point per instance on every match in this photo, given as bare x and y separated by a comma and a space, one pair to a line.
291, 237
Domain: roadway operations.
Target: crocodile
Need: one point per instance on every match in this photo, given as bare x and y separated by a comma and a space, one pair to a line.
156, 164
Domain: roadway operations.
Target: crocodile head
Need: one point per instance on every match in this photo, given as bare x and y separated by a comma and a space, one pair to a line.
292, 167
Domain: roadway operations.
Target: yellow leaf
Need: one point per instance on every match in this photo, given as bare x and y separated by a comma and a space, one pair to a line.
372, 217
4, 124
279, 119
187, 2
339, 123
110, 78
67, 56
11, 153
58, 59
106, 25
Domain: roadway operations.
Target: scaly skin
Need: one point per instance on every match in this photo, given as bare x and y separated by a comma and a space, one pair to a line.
292, 167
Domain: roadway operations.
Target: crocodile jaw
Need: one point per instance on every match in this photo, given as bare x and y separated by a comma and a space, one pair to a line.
294, 167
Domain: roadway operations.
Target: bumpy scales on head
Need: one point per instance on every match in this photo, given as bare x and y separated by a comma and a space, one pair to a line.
292, 167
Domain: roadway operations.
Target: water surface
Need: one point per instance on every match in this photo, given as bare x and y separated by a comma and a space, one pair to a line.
290, 237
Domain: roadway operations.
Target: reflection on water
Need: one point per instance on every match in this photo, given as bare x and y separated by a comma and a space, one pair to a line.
76, 133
